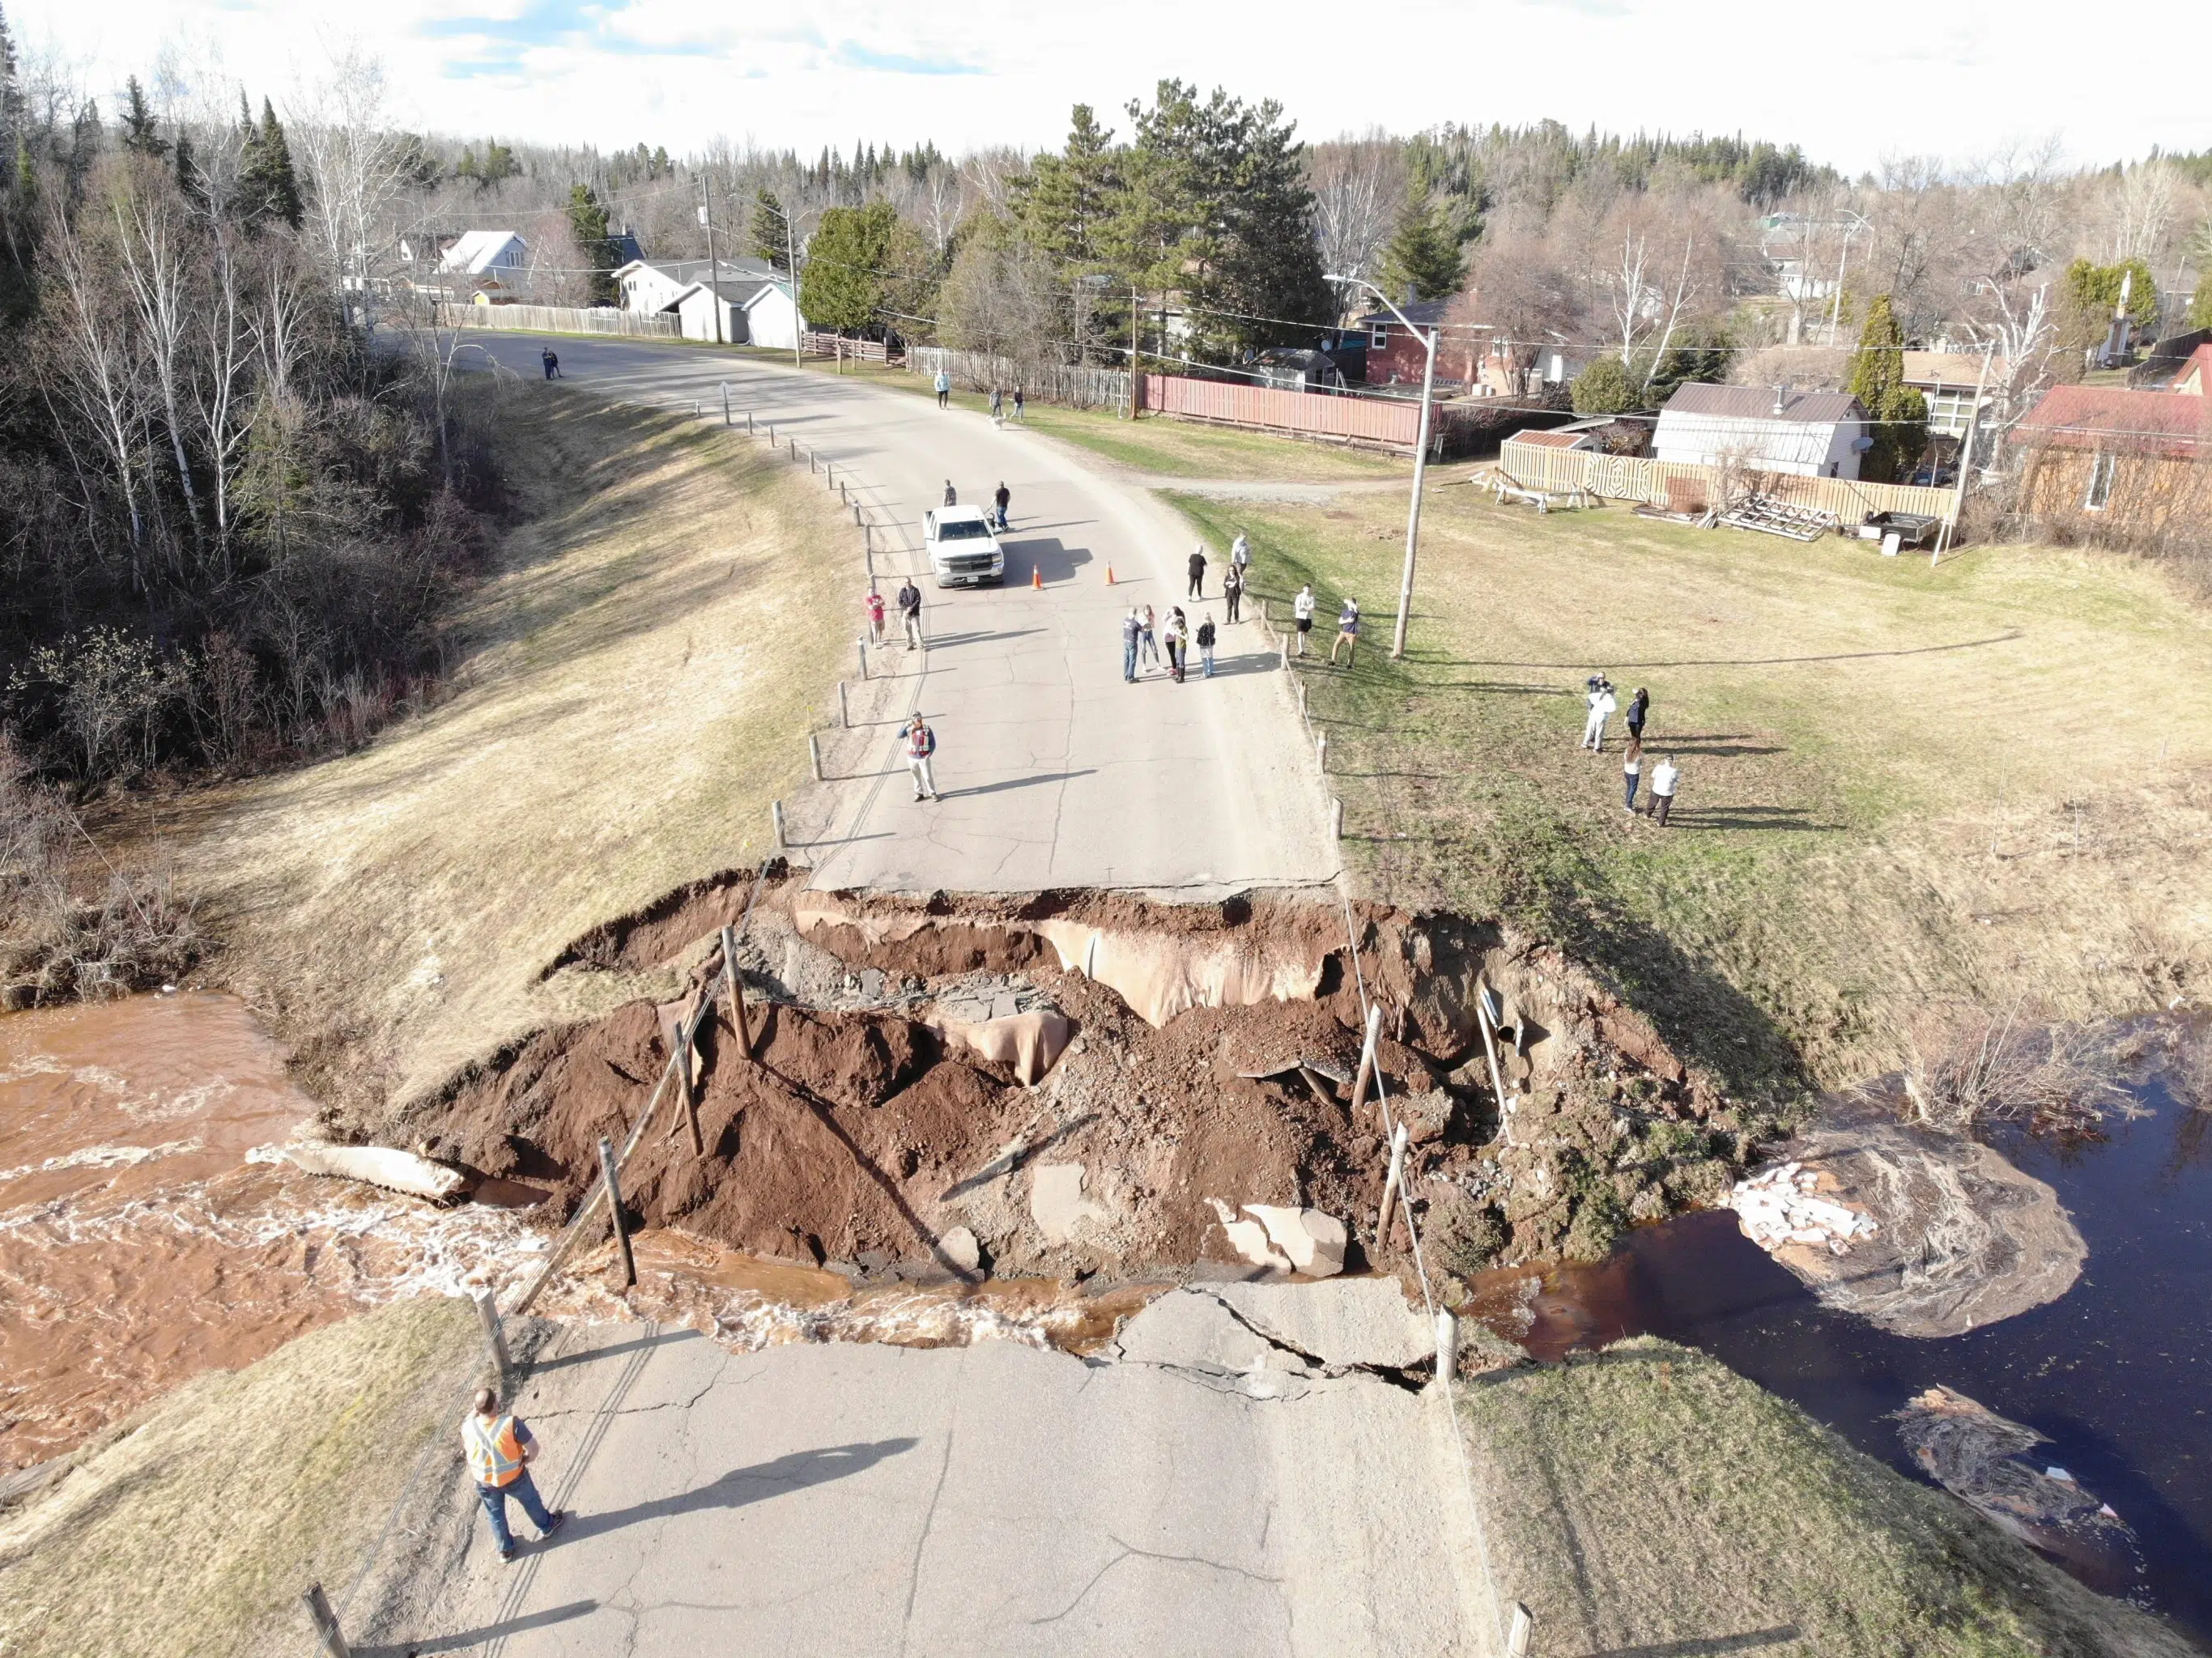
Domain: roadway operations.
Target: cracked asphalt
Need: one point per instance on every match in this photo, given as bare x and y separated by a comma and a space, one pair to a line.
994, 1498
1054, 772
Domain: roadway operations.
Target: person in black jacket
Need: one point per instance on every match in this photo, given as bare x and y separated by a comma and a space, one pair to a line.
1206, 646
1198, 573
1638, 707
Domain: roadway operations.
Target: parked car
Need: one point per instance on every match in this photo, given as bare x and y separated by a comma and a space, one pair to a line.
963, 550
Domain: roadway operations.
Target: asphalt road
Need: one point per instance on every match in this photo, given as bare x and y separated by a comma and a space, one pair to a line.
1054, 772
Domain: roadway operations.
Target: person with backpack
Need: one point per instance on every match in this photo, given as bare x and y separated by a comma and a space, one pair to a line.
920, 746
910, 603
1348, 632
500, 1449
1206, 646
1198, 572
943, 388
1232, 590
1001, 500
1666, 778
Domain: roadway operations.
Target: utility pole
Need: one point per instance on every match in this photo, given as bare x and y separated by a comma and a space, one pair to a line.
791, 258
1135, 322
713, 266
1945, 536
1414, 512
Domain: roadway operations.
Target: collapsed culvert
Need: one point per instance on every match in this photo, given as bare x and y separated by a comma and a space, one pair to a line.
1093, 1087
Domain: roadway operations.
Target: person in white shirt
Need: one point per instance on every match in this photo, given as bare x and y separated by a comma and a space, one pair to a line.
1631, 771
1602, 705
1665, 776
1301, 609
1240, 552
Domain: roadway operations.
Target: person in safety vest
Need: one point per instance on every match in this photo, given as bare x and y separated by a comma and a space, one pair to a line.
499, 1448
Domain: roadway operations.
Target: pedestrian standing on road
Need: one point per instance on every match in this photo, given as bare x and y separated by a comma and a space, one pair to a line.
1205, 645
875, 616
1240, 553
1232, 589
1001, 500
921, 744
1132, 626
1148, 636
943, 388
998, 405
500, 1449
951, 495
552, 363
1665, 777
1301, 609
1601, 704
1631, 771
1348, 632
1178, 641
1639, 708
1018, 421
1197, 572
910, 603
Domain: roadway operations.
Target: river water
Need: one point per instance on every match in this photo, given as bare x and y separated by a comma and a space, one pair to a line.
2118, 1371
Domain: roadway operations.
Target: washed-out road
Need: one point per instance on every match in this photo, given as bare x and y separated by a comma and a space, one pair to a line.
1054, 772
1232, 1478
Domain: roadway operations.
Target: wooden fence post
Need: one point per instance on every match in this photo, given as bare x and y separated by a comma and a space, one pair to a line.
1524, 1628
726, 403
814, 753
325, 1622
861, 645
495, 1334
1321, 749
687, 1033
1366, 1074
776, 817
736, 986
1335, 819
844, 712
1447, 1348
607, 1172
1391, 1183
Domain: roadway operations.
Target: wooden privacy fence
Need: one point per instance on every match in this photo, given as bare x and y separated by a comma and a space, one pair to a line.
1076, 385
836, 345
561, 319
1681, 487
1390, 421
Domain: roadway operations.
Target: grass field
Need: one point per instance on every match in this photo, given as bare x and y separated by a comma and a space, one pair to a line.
193, 1528
1648, 1500
1901, 788
647, 665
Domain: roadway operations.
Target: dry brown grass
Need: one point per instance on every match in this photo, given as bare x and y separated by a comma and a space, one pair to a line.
194, 1528
1970, 1067
1649, 1500
665, 627
1900, 787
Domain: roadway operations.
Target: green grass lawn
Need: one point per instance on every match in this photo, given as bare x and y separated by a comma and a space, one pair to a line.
1855, 733
1646, 1500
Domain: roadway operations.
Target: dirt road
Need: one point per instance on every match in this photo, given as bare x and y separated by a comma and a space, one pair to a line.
1055, 772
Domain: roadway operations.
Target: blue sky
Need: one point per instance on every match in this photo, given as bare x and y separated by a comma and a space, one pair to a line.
1882, 76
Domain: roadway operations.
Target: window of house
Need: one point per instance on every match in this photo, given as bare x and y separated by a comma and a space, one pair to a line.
2102, 468
1379, 340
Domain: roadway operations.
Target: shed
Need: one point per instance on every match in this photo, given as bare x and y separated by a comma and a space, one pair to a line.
696, 306
651, 285
1805, 433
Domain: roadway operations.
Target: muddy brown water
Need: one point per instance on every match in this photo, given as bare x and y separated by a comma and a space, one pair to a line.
2116, 1372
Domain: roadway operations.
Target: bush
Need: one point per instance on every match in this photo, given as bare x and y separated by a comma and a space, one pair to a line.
1606, 388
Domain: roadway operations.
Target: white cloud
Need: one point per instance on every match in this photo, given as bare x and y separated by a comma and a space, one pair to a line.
1850, 86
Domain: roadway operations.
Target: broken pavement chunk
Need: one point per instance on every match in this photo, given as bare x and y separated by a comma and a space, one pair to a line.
1313, 1243
1056, 1200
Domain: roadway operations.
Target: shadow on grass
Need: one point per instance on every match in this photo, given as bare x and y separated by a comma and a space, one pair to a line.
1701, 1646
474, 1638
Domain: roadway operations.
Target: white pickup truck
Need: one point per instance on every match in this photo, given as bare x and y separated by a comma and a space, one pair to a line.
961, 549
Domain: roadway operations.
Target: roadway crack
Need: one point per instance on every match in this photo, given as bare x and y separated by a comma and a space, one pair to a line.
929, 1519
1130, 1551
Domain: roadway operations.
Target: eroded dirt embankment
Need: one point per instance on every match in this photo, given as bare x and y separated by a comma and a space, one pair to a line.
921, 1067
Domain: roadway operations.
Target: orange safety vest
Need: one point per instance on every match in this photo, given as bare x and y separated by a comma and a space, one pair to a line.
494, 1452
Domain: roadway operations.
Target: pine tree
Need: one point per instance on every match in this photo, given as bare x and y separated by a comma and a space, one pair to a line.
267, 187
587, 217
1066, 202
1899, 414
770, 229
1423, 254
139, 133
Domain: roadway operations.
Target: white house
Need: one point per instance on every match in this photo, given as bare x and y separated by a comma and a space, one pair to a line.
650, 285
499, 256
756, 311
1809, 433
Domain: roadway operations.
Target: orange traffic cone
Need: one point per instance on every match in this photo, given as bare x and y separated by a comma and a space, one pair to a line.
1109, 575
1036, 578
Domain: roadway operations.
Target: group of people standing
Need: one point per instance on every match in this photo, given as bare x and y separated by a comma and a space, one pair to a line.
944, 387
1666, 776
1144, 635
1347, 624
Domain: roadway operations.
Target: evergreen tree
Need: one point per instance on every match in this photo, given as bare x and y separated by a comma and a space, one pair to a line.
139, 134
2200, 303
1423, 254
1899, 414
1066, 202
1605, 388
849, 266
587, 217
267, 187
770, 229
1700, 356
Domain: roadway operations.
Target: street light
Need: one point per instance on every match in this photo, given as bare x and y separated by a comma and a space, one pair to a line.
1420, 460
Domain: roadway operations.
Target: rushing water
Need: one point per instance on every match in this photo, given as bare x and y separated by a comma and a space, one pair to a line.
2117, 1372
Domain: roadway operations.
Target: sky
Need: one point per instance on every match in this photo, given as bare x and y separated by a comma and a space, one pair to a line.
1851, 84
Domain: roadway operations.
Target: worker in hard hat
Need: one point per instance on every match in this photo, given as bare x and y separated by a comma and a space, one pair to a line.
500, 1449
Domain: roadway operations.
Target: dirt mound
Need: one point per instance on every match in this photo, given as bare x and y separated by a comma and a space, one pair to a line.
1198, 1055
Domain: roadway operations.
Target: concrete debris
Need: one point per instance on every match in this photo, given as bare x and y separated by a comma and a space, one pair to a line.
1026, 1043
1056, 1200
960, 1249
1345, 1321
1777, 1206
1312, 1242
380, 1165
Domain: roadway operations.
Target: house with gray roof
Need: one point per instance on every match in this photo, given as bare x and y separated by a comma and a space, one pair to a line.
1760, 429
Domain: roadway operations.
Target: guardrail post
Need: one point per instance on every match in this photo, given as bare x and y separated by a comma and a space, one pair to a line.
750, 430
844, 712
1390, 1184
495, 1334
1335, 819
861, 646
325, 1622
857, 519
1447, 1348
814, 753
776, 816
1524, 1629
736, 987
608, 1172
1321, 749
726, 403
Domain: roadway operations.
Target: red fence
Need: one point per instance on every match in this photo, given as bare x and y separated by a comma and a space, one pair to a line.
1352, 419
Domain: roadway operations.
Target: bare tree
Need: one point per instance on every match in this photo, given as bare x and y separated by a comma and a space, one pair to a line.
351, 154
1357, 186
158, 277
99, 366
1518, 287
223, 345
